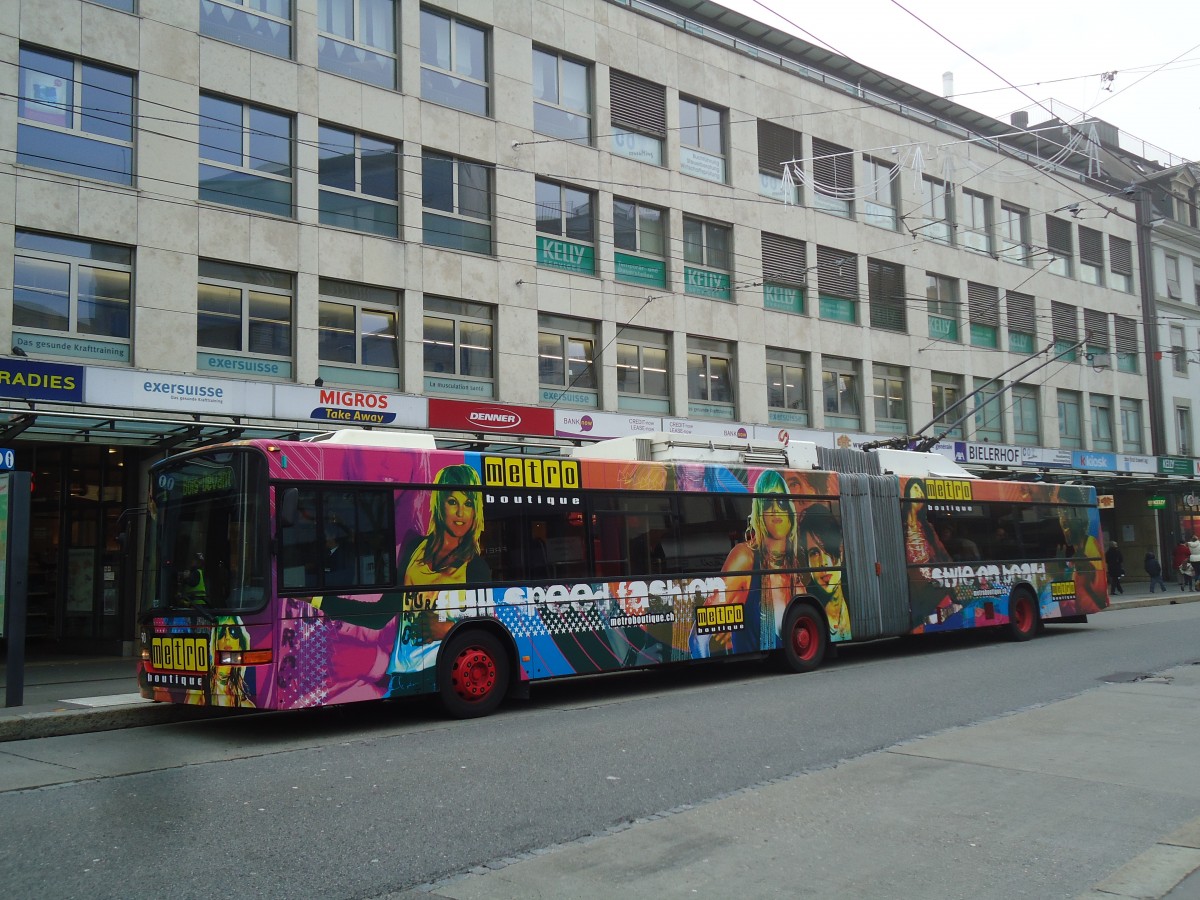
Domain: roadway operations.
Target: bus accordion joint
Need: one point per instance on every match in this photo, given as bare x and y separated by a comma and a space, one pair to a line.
243, 657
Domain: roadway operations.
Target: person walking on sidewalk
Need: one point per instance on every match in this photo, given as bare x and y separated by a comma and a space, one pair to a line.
1154, 570
1179, 557
1115, 560
1193, 563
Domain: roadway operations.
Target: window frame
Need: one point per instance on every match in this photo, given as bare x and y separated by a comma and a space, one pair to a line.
1179, 352
1026, 413
879, 204
793, 391
567, 332
250, 173
707, 384
976, 235
249, 14
840, 378
935, 199
246, 319
1070, 419
1011, 214
438, 73
889, 395
455, 214
696, 161
987, 408
370, 301
387, 58
710, 259
1132, 440
641, 340
1101, 412
562, 229
24, 242
945, 390
588, 111
371, 200
1172, 276
942, 305
32, 82
462, 314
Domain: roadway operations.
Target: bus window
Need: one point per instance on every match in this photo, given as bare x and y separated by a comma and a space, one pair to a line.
523, 543
339, 539
634, 535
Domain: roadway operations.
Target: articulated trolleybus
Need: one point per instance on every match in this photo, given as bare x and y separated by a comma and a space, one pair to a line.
364, 565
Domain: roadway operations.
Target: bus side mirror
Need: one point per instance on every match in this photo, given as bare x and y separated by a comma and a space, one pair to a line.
288, 506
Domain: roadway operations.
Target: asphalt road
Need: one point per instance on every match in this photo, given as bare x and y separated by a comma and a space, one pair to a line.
363, 801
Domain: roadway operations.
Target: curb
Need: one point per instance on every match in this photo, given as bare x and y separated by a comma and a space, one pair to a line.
59, 722
1157, 871
1152, 600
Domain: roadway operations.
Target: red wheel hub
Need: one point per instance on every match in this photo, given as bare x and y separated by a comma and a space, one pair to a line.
1022, 614
473, 674
804, 639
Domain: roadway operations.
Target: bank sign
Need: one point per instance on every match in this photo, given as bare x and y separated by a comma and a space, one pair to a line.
29, 380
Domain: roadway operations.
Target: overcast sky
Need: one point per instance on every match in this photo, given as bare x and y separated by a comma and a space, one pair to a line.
1050, 49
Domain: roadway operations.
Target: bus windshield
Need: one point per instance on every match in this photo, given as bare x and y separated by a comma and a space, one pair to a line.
206, 547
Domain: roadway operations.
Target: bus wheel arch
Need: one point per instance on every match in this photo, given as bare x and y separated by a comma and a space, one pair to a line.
804, 638
1023, 615
474, 670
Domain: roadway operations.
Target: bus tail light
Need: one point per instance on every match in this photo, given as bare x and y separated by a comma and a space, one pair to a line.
243, 657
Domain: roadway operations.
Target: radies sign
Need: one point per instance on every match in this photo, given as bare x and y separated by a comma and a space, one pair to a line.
464, 415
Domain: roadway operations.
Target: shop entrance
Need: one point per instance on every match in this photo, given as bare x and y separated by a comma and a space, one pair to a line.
78, 595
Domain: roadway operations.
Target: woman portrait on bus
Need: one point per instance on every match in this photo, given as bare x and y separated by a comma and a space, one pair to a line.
224, 685
448, 553
762, 570
1083, 560
821, 541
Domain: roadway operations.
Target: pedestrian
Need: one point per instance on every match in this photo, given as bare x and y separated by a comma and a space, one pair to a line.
1193, 559
1179, 557
1154, 570
1115, 560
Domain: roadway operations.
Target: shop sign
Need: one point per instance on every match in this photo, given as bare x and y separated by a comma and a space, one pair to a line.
637, 146
178, 393
1156, 502
353, 408
784, 299
687, 427
8, 459
1176, 465
36, 344
554, 396
246, 366
1130, 463
458, 386
1105, 501
639, 270
710, 410
1096, 461
26, 379
570, 257
465, 415
600, 425
1191, 500
701, 165
967, 453
704, 283
1048, 457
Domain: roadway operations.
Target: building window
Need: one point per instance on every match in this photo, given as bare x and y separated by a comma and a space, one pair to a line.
1064, 319
890, 387
245, 156
1131, 425
946, 391
359, 178
1012, 230
567, 361
935, 211
454, 63
457, 196
983, 307
263, 25
358, 337
701, 140
1022, 322
64, 286
1120, 264
1127, 344
458, 347
643, 376
1060, 244
123, 5
941, 295
785, 272
707, 255
244, 311
885, 293
787, 387
565, 213
1179, 350
1091, 256
1026, 425
1183, 430
975, 230
988, 406
639, 236
840, 393
710, 378
777, 147
1102, 423
639, 117
837, 285
1095, 326
357, 38
1070, 420
833, 178
879, 189
75, 117
562, 97
1171, 268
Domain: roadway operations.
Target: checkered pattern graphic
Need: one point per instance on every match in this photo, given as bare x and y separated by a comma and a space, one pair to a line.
560, 618
313, 645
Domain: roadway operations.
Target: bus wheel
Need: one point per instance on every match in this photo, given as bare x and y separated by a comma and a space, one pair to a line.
804, 639
473, 674
1022, 616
